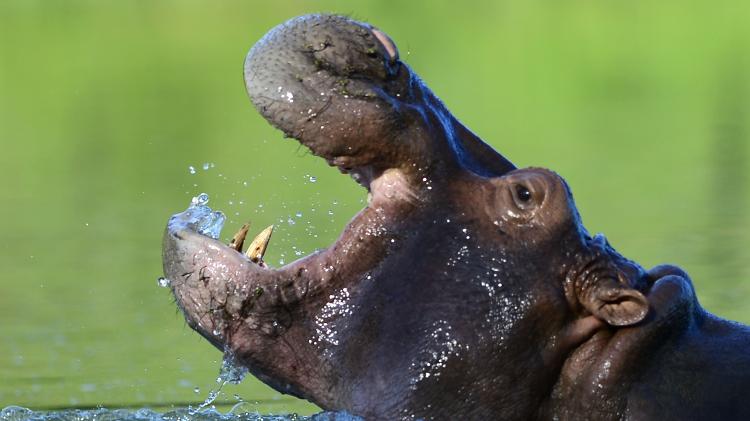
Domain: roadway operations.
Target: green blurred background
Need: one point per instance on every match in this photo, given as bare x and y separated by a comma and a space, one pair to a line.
643, 106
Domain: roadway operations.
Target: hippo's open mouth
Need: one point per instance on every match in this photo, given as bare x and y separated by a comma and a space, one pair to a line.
338, 87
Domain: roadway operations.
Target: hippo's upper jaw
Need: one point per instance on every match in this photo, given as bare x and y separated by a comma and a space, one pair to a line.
464, 288
338, 87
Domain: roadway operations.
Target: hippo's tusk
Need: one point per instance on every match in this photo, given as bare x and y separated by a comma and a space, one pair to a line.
257, 248
239, 239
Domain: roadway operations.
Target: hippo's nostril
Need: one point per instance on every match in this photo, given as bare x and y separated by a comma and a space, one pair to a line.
390, 47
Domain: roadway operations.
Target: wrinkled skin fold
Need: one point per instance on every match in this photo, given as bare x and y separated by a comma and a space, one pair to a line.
465, 289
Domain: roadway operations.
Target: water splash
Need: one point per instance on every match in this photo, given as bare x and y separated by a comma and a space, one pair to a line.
163, 282
231, 372
202, 218
17, 413
199, 200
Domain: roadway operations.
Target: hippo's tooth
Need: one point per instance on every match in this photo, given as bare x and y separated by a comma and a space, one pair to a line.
257, 248
239, 239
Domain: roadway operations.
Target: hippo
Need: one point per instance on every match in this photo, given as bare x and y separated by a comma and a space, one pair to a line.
465, 289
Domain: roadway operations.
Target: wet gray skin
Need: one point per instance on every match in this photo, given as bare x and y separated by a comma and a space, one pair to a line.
465, 289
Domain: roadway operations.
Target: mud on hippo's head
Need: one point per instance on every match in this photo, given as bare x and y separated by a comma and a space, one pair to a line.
461, 288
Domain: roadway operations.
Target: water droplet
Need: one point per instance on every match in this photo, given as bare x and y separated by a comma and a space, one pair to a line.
197, 389
207, 165
298, 214
212, 225
199, 200
231, 370
290, 221
313, 178
330, 212
205, 221
191, 169
163, 282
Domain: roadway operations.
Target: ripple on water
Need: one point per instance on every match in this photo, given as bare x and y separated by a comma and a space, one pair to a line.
17, 413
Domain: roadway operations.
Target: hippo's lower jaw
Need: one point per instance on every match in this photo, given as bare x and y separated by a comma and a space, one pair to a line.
256, 312
216, 283
465, 288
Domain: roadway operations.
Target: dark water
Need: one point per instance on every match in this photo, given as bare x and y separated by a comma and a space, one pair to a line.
104, 106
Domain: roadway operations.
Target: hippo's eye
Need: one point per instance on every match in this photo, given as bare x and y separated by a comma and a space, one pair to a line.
522, 193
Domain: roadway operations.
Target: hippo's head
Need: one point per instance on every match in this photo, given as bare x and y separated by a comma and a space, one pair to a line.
465, 286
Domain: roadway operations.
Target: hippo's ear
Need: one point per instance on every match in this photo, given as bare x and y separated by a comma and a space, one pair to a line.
617, 304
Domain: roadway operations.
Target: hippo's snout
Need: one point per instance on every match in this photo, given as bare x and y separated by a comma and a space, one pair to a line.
317, 53
338, 87
331, 83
